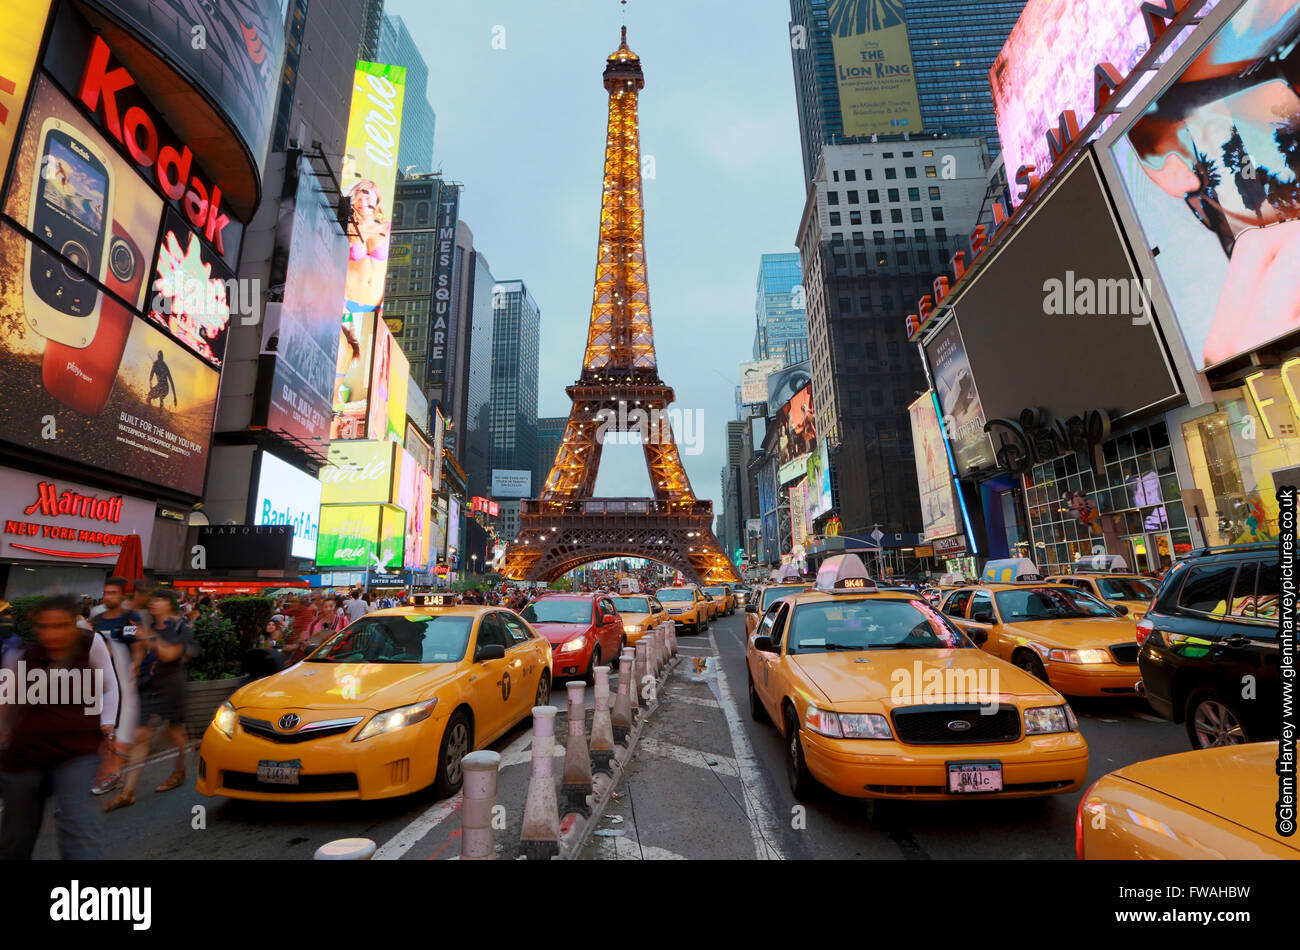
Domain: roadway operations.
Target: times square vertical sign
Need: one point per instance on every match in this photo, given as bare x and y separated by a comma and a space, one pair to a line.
444, 269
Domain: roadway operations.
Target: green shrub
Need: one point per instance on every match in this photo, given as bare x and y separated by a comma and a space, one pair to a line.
248, 616
18, 610
221, 645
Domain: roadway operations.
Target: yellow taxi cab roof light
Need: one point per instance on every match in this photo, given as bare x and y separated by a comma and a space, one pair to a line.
844, 572
1100, 564
1011, 570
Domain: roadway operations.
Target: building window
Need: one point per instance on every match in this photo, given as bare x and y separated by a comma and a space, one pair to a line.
918, 214
422, 213
896, 216
835, 175
914, 194
853, 197
893, 195
399, 212
846, 304
888, 155
832, 197
936, 213
900, 236
941, 234
931, 171
909, 172
902, 258
876, 217
891, 173
857, 238
866, 174
920, 234
878, 236
927, 153
855, 217
864, 304
873, 196
850, 175
934, 192
835, 218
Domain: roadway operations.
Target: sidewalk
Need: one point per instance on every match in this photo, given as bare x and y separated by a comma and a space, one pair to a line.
685, 795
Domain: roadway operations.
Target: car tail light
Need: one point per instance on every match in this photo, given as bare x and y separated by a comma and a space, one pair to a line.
1078, 822
1145, 627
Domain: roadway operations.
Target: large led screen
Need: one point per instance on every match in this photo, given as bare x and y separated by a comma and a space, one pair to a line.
796, 437
109, 390
1211, 169
360, 472
361, 536
288, 495
938, 512
194, 292
19, 43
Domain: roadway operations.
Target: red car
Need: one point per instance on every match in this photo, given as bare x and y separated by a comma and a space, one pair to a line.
585, 631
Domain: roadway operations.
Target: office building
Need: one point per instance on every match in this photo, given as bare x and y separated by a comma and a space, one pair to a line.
550, 435
372, 23
516, 329
474, 446
781, 321
415, 147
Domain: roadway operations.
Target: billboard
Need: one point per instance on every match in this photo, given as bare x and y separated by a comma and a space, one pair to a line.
124, 397
369, 179
819, 482
938, 511
360, 472
361, 536
415, 496
386, 403
444, 262
1058, 308
439, 429
289, 496
783, 384
1211, 169
453, 529
19, 44
308, 269
753, 379
352, 372
53, 519
963, 415
796, 435
508, 483
799, 529
873, 67
1048, 65
237, 64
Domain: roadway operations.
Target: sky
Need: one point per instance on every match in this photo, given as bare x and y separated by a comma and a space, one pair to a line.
523, 128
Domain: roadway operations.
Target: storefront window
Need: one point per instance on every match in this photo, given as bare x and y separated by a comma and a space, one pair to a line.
1233, 463
1133, 510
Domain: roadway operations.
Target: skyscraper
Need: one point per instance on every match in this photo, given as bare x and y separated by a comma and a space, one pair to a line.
372, 21
516, 330
550, 436
781, 331
415, 147
953, 45
474, 445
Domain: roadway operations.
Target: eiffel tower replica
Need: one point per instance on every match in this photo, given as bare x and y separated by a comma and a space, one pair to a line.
619, 391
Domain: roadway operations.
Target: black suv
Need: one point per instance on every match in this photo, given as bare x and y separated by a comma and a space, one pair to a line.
1209, 653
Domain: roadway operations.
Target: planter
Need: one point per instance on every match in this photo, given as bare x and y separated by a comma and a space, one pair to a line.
204, 697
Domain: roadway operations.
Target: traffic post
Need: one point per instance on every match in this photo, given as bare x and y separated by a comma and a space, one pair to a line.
621, 720
540, 835
576, 784
482, 769
602, 732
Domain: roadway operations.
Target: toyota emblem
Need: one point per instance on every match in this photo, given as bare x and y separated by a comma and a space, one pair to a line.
290, 721
957, 725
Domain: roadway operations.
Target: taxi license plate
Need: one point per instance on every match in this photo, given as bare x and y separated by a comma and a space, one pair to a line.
974, 777
278, 773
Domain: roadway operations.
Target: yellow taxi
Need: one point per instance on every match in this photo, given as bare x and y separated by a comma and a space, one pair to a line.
385, 707
1061, 635
763, 598
687, 606
1133, 592
879, 696
1209, 803
641, 613
722, 595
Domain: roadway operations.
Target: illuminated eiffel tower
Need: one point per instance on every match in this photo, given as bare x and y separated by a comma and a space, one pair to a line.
619, 391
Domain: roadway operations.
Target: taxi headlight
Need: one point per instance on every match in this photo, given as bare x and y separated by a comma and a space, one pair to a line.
1079, 656
398, 718
823, 722
631, 628
865, 726
225, 720
572, 646
1045, 719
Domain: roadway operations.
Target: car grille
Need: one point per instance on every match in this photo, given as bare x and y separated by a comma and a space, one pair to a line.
307, 784
264, 730
928, 725
1124, 652
674, 610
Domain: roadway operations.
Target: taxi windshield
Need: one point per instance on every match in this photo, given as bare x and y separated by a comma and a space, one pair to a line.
556, 610
1126, 588
1048, 603
411, 638
717, 590
632, 605
676, 593
870, 624
771, 594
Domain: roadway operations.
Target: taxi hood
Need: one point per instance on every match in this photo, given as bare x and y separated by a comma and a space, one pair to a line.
1078, 633
372, 686
913, 677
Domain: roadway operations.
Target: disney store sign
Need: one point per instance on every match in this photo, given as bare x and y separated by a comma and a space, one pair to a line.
1036, 437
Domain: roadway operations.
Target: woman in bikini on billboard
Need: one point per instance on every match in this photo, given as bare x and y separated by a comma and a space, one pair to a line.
368, 239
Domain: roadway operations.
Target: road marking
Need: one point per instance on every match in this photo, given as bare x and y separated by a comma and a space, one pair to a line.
514, 754
680, 753
697, 700
763, 825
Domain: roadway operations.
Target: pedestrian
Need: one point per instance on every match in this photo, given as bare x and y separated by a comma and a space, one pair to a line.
356, 607
118, 626
162, 695
53, 747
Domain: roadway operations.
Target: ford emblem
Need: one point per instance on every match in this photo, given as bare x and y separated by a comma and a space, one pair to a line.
957, 725
290, 721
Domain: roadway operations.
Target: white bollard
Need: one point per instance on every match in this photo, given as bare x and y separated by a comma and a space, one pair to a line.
621, 719
602, 731
540, 835
671, 631
346, 849
576, 784
643, 667
477, 842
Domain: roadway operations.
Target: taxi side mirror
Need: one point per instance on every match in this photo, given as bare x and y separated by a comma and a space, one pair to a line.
983, 616
978, 637
751, 608
489, 651
764, 645
1121, 610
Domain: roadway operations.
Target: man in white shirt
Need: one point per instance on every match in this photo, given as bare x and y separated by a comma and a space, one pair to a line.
356, 607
